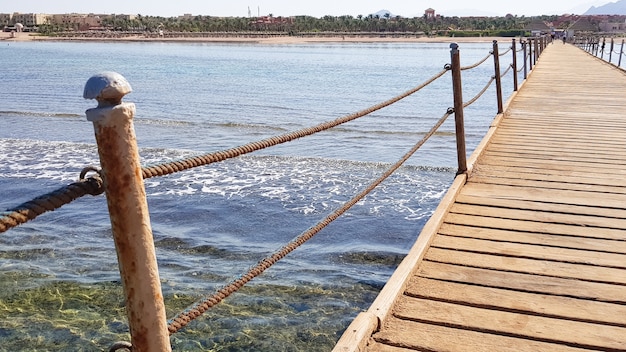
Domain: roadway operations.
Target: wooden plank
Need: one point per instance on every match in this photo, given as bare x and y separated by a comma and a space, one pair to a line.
581, 122
601, 200
535, 227
558, 156
518, 302
355, 338
539, 216
545, 143
560, 331
373, 346
606, 157
547, 174
524, 282
528, 266
511, 136
564, 129
541, 206
504, 144
508, 172
592, 167
531, 251
594, 245
416, 336
600, 171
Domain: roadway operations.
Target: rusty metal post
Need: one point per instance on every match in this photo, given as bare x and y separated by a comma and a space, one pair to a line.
524, 46
498, 77
128, 209
457, 89
514, 49
536, 51
530, 54
621, 53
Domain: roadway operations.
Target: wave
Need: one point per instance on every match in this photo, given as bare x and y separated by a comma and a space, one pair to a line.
38, 114
249, 126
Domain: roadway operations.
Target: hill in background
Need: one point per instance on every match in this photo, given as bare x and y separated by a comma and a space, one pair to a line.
613, 8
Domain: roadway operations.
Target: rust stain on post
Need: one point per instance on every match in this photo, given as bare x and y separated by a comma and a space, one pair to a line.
128, 209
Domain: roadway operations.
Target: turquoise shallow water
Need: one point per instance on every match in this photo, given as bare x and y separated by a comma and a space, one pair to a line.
59, 275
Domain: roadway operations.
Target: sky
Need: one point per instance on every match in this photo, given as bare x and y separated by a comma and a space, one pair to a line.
316, 8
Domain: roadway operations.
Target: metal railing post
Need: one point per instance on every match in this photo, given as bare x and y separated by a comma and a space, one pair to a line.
128, 209
536, 51
457, 89
496, 65
524, 47
611, 49
514, 49
621, 53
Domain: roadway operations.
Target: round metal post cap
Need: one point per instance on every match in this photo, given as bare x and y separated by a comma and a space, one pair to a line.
108, 88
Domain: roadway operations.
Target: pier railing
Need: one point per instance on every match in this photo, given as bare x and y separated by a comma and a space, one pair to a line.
121, 177
608, 49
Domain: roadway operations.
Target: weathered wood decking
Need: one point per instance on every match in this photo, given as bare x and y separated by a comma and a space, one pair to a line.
530, 253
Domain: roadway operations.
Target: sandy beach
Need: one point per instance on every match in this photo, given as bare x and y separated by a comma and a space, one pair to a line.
19, 37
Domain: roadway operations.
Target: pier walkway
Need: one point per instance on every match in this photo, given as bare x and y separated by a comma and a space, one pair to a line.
528, 251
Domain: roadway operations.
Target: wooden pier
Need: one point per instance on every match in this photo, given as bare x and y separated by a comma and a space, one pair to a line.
527, 252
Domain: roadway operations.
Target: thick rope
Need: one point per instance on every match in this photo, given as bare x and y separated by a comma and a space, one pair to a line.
506, 72
201, 160
51, 201
473, 100
477, 64
506, 52
184, 318
94, 186
121, 346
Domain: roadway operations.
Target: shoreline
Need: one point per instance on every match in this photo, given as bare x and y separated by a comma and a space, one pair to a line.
24, 37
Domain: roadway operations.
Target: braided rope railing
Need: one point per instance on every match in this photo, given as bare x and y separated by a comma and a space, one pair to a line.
65, 195
506, 72
480, 62
48, 202
480, 94
196, 310
506, 51
201, 160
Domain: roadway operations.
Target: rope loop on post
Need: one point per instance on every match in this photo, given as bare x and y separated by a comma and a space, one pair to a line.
90, 168
121, 346
48, 202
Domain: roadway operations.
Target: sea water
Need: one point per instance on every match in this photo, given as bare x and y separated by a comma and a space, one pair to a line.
59, 279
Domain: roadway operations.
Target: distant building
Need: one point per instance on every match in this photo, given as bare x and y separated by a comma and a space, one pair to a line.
538, 28
272, 22
27, 21
30, 19
429, 14
608, 26
6, 19
186, 17
77, 21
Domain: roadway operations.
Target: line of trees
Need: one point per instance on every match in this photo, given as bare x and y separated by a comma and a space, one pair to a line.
307, 24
